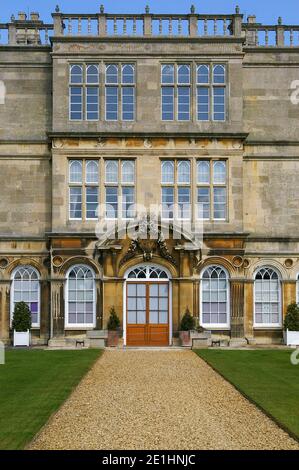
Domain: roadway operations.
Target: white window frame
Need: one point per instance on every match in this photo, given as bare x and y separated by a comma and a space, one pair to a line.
215, 326
268, 325
80, 326
34, 325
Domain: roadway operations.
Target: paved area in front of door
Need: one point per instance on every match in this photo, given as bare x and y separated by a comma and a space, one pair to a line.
138, 399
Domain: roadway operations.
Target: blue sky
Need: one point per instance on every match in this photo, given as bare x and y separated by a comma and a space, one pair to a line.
267, 11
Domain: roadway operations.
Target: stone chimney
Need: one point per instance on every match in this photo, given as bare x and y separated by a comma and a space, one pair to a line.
22, 16
34, 16
26, 31
251, 19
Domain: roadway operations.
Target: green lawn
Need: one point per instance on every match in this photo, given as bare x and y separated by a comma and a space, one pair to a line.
266, 377
33, 384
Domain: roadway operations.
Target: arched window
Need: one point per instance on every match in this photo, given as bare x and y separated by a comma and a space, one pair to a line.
92, 172
112, 74
184, 75
219, 170
80, 297
128, 74
75, 171
215, 298
184, 172
26, 288
203, 73
219, 74
167, 172
203, 172
168, 74
76, 74
147, 272
267, 297
127, 172
111, 171
92, 74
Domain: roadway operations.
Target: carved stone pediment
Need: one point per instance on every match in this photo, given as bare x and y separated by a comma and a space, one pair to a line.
148, 248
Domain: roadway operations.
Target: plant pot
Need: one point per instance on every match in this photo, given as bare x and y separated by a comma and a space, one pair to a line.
185, 338
21, 338
291, 338
112, 340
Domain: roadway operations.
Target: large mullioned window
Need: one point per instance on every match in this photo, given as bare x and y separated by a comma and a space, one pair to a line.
211, 190
26, 288
215, 298
84, 92
83, 189
176, 189
267, 298
80, 297
120, 189
120, 92
211, 92
176, 92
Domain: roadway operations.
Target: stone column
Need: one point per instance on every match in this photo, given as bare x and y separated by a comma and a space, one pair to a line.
99, 305
4, 311
45, 310
57, 308
237, 310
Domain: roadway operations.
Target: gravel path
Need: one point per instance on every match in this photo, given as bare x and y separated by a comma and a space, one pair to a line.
140, 399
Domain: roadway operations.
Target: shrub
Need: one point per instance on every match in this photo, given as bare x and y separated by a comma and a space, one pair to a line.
187, 322
291, 321
21, 317
113, 322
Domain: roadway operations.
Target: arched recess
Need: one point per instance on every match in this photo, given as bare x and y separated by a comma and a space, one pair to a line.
147, 305
80, 297
25, 287
215, 297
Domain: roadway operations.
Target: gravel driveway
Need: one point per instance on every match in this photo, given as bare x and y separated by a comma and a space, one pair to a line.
140, 399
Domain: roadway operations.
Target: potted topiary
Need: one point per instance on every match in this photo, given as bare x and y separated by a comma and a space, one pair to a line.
21, 324
291, 325
187, 324
113, 327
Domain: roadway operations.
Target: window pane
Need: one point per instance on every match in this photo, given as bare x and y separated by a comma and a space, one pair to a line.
92, 74
128, 202
184, 172
167, 203
112, 74
184, 74
75, 171
214, 301
203, 73
92, 172
111, 171
112, 103
184, 203
219, 103
183, 103
76, 103
91, 202
203, 172
219, 74
76, 73
128, 103
112, 203
128, 172
81, 296
168, 74
75, 203
219, 203
167, 103
128, 74
219, 172
167, 172
203, 103
92, 103
203, 203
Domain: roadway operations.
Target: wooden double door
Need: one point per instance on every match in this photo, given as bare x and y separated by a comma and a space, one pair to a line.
147, 313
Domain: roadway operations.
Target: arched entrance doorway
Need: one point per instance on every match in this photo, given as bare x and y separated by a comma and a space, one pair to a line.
147, 306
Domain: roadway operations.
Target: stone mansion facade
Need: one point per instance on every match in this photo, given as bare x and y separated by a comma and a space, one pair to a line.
102, 117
